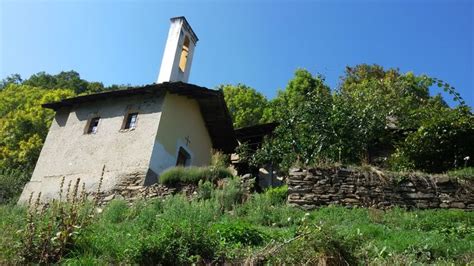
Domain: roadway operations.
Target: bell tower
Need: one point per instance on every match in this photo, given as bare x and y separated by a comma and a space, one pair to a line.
179, 49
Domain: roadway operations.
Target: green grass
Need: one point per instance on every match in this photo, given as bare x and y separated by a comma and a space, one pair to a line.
263, 229
192, 175
463, 173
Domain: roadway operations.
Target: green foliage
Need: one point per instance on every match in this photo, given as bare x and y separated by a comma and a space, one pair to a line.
116, 212
179, 231
314, 244
205, 190
11, 183
442, 142
51, 231
220, 160
65, 79
238, 232
245, 104
12, 219
304, 134
230, 195
267, 210
463, 173
175, 231
371, 108
192, 175
277, 195
24, 123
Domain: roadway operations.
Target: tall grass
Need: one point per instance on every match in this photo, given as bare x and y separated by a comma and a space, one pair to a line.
12, 182
261, 229
463, 173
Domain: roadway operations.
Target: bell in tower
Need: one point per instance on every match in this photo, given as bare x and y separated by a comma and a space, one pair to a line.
179, 49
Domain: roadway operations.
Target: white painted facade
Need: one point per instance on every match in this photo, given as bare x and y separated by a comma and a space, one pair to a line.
71, 153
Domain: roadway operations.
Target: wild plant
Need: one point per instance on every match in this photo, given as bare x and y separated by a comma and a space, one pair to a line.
52, 227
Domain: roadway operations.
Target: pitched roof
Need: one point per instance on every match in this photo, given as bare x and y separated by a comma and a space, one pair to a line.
211, 103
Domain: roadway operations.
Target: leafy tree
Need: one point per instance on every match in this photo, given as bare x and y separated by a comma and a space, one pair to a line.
443, 141
245, 104
304, 134
12, 79
372, 107
65, 79
24, 123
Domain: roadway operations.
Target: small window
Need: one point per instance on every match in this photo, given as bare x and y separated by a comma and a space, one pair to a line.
93, 125
131, 121
183, 158
184, 54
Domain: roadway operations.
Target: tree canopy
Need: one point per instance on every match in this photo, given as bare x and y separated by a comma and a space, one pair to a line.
245, 104
371, 107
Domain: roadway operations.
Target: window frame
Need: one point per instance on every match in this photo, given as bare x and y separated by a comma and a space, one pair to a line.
88, 130
126, 123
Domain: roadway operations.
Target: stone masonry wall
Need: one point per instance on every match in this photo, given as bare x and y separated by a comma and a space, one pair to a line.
132, 188
310, 188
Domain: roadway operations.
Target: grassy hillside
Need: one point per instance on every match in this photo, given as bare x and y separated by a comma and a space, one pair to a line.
217, 228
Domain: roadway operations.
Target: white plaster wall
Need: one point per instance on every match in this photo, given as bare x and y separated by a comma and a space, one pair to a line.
69, 152
181, 118
169, 70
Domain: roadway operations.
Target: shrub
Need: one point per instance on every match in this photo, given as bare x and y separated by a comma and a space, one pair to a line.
230, 195
192, 175
237, 232
277, 195
205, 190
441, 142
220, 160
11, 184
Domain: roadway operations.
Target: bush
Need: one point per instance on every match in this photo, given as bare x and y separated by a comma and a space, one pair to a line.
12, 182
220, 160
205, 190
277, 195
192, 175
238, 232
230, 195
441, 142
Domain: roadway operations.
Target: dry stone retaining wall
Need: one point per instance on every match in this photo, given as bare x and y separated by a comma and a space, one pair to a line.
132, 188
310, 188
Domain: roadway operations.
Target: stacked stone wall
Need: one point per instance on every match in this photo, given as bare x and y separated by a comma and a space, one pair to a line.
311, 188
132, 188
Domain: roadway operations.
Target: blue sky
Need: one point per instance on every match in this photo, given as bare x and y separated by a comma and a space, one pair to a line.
258, 43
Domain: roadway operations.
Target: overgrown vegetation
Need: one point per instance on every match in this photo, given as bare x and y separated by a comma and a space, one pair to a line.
261, 229
463, 173
192, 175
372, 109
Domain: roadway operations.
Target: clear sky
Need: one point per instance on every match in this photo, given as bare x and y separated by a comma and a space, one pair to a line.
258, 43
